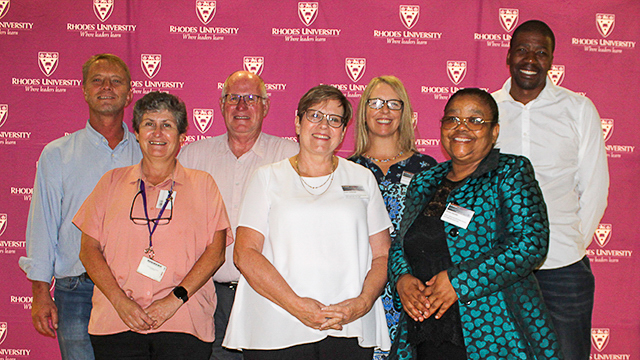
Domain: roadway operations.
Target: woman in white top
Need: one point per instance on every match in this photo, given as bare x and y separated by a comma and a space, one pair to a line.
312, 245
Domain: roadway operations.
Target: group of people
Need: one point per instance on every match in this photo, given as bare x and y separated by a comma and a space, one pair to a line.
386, 254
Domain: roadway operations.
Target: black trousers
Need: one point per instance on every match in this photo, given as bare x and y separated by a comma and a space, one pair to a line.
331, 348
130, 345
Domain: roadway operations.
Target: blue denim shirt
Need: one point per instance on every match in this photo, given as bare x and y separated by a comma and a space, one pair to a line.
68, 170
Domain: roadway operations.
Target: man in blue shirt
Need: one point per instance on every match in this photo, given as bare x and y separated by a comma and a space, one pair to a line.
68, 170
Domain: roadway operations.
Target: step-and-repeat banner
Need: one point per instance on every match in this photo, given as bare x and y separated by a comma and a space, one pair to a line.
435, 47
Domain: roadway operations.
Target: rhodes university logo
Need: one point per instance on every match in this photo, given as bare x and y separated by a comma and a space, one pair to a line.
556, 74
3, 332
48, 62
205, 10
509, 18
605, 23
409, 15
203, 118
4, 113
355, 68
4, 7
254, 64
456, 70
602, 234
151, 64
3, 223
103, 9
307, 12
607, 128
600, 338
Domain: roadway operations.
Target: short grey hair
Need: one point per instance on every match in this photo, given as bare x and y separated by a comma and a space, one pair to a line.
159, 101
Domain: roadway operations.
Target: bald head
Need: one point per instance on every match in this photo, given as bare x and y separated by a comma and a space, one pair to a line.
244, 76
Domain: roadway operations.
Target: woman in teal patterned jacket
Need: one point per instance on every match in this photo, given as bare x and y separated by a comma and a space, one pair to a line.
468, 290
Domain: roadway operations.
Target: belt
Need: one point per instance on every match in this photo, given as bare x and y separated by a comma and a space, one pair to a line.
84, 276
231, 285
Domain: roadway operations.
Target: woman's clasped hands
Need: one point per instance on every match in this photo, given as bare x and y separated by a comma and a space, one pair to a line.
316, 315
422, 300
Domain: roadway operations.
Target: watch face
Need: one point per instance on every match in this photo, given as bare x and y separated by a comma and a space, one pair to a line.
181, 293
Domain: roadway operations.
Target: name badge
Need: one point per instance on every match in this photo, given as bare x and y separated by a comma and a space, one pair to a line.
354, 191
406, 178
457, 215
151, 269
162, 197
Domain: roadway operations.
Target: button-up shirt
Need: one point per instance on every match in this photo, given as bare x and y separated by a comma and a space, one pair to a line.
231, 174
561, 133
68, 170
197, 214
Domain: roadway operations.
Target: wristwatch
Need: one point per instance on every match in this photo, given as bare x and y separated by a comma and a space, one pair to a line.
181, 293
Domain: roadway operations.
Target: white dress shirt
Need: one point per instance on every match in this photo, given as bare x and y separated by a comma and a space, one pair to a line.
231, 174
561, 133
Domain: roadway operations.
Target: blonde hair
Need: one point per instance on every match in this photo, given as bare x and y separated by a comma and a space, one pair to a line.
110, 58
407, 137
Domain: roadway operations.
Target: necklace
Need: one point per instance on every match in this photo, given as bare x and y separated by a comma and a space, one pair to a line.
305, 185
384, 160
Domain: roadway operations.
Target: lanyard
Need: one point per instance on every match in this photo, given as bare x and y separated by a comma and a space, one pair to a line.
149, 251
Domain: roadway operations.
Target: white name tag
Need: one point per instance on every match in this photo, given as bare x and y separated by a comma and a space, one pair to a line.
354, 191
457, 215
406, 178
162, 197
151, 269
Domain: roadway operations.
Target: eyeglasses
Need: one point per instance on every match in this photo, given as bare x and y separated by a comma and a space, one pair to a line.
392, 104
146, 221
473, 123
249, 99
315, 116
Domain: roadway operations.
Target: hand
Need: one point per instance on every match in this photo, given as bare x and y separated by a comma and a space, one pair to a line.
163, 309
411, 292
133, 315
346, 312
44, 312
309, 312
440, 294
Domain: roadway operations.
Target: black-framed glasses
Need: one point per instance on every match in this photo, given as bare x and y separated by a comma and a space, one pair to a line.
249, 99
144, 220
473, 123
392, 104
316, 116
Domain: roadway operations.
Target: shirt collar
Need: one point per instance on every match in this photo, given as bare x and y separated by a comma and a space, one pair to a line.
96, 138
179, 175
490, 162
549, 93
259, 147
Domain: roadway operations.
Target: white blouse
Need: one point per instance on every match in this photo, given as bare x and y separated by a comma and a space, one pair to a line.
320, 246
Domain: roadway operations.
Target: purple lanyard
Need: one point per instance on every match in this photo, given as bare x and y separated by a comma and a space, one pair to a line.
146, 214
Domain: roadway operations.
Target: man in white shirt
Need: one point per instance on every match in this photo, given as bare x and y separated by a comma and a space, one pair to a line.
560, 132
231, 159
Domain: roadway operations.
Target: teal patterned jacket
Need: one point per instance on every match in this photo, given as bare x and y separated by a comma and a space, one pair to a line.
501, 308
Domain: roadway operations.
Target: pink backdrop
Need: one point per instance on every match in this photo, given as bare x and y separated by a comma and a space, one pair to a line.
189, 47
